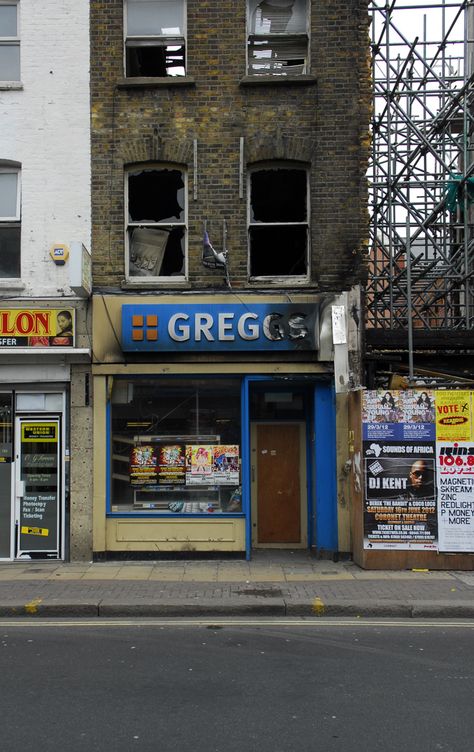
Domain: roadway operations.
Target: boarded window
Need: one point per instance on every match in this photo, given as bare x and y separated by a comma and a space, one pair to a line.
156, 222
278, 37
155, 42
278, 226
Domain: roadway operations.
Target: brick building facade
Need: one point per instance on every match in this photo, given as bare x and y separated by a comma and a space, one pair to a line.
249, 121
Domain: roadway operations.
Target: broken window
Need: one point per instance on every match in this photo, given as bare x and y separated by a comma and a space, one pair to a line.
156, 222
154, 38
278, 222
10, 224
9, 43
278, 37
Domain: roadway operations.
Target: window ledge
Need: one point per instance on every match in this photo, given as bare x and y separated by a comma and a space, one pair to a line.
152, 82
305, 79
168, 284
282, 282
11, 284
12, 86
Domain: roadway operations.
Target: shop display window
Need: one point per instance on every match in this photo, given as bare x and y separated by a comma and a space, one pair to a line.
176, 447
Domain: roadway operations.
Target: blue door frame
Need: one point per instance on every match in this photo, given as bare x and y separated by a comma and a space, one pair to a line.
321, 466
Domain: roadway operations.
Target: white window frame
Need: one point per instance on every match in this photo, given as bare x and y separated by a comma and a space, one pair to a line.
16, 219
161, 40
278, 279
12, 41
252, 36
15, 171
156, 280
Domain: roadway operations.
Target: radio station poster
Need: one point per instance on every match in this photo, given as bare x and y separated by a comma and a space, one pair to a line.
455, 477
382, 415
143, 466
400, 501
171, 465
199, 464
226, 465
453, 416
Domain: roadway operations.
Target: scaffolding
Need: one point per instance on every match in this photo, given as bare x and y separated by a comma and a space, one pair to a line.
421, 176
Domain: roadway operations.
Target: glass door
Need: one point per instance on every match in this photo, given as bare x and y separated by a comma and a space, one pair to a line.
6, 459
37, 487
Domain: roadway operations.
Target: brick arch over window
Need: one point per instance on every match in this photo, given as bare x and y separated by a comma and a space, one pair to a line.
283, 147
153, 148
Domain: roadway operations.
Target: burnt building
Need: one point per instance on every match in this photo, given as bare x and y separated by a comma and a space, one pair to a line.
229, 150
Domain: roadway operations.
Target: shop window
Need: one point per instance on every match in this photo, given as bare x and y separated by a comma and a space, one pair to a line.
10, 224
278, 37
154, 38
176, 447
9, 43
156, 229
278, 222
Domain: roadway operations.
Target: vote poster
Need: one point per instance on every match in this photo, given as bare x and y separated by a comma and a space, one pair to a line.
453, 416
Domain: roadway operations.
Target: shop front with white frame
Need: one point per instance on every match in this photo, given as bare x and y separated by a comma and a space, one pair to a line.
38, 374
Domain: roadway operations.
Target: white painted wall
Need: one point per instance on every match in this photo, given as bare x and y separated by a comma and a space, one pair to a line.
45, 126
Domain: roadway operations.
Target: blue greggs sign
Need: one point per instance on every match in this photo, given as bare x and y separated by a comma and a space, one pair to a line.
220, 327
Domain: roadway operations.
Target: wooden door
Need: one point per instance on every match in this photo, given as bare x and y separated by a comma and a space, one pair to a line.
278, 483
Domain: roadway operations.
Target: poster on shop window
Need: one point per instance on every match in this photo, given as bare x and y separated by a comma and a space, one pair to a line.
171, 465
143, 466
199, 465
226, 465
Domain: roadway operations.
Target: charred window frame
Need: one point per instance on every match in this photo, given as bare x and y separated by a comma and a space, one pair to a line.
278, 220
10, 222
278, 40
156, 217
9, 42
155, 38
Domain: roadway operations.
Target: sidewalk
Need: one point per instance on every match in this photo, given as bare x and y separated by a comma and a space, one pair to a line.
274, 583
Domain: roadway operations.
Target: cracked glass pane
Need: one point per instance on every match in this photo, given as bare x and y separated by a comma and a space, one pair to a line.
156, 252
278, 56
155, 59
156, 196
277, 16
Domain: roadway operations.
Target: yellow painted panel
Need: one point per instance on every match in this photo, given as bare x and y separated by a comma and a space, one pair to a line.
175, 535
100, 462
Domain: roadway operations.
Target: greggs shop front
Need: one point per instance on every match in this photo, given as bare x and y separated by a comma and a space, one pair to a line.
214, 426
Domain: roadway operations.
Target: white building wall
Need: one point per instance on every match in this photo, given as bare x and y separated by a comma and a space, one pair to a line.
45, 126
